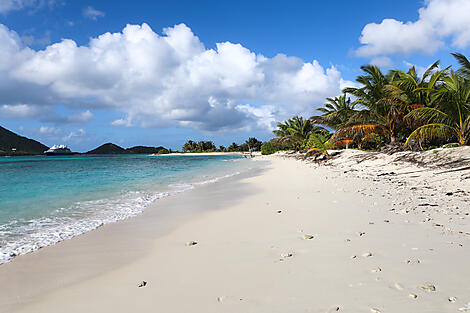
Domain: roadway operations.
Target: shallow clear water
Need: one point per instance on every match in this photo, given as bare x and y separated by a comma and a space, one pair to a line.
44, 200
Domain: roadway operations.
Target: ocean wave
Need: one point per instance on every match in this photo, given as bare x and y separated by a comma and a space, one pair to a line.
24, 236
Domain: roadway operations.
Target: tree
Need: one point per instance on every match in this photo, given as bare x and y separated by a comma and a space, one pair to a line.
253, 144
336, 112
189, 146
464, 70
294, 131
451, 116
380, 114
233, 147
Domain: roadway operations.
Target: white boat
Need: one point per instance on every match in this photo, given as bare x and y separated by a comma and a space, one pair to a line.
58, 150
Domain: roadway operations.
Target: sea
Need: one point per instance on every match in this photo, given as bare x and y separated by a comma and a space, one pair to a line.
44, 200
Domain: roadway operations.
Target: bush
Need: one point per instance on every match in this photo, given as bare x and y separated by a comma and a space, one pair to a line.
163, 151
267, 148
451, 145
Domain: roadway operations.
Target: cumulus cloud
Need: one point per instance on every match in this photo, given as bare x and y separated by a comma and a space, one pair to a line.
439, 20
92, 13
165, 80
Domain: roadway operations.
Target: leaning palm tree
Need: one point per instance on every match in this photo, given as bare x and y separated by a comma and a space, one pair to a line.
336, 112
450, 118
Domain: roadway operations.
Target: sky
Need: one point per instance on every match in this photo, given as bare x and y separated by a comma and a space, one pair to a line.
84, 73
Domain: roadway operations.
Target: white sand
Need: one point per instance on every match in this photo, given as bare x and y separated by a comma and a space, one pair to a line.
367, 253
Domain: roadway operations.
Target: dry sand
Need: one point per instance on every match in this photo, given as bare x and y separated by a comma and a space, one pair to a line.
353, 237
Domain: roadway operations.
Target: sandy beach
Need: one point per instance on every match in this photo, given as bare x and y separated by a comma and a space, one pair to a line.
363, 232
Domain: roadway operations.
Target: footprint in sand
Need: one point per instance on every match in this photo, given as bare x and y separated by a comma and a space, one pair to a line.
397, 286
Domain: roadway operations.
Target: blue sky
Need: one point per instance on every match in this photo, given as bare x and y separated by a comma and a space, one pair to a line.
221, 71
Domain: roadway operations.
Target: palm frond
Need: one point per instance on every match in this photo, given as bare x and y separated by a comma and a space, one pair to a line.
431, 131
464, 63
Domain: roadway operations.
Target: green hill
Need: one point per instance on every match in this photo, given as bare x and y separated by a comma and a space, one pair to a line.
108, 148
145, 150
111, 148
13, 144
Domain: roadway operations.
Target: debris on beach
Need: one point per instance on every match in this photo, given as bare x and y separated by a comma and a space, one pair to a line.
367, 254
465, 308
308, 237
191, 243
428, 287
413, 296
286, 255
142, 284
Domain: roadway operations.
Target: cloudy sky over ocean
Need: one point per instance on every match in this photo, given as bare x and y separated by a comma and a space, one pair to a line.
161, 72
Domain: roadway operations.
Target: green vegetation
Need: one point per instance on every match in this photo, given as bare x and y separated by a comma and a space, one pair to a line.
252, 144
400, 109
13, 144
268, 148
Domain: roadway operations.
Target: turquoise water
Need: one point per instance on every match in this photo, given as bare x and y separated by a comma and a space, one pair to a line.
44, 200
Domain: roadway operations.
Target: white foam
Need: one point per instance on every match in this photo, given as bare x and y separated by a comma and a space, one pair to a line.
24, 236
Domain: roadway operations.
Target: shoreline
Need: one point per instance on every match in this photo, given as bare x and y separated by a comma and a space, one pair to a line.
107, 247
297, 237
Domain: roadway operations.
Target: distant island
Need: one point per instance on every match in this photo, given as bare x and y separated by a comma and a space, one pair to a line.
13, 144
111, 148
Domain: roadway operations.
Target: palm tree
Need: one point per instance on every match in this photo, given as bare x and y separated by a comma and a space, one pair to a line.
415, 91
294, 131
451, 116
379, 113
336, 112
464, 63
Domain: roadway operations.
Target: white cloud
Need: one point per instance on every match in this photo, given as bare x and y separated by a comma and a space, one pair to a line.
80, 118
122, 122
92, 13
382, 61
439, 20
49, 131
165, 80
16, 5
75, 136
19, 111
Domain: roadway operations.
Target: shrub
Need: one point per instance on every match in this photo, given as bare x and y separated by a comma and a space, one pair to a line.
451, 145
268, 148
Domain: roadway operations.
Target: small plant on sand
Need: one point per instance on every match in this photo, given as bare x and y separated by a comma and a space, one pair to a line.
318, 145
